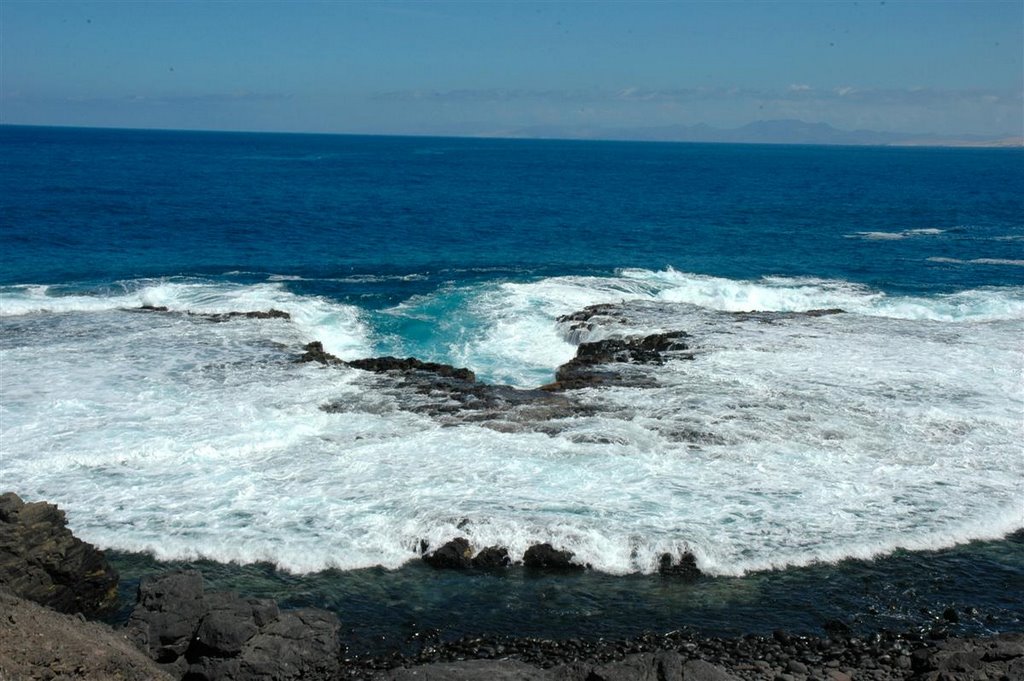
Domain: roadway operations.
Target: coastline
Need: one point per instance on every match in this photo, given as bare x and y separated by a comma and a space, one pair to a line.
191, 629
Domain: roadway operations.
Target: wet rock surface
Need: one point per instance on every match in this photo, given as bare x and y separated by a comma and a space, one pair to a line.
684, 566
546, 557
219, 316
595, 362
453, 395
40, 560
314, 352
456, 554
220, 636
492, 558
412, 366
228, 316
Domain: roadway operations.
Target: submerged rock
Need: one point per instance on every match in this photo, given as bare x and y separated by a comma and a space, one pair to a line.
42, 561
221, 636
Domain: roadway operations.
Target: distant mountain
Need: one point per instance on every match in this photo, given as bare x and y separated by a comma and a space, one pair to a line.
786, 131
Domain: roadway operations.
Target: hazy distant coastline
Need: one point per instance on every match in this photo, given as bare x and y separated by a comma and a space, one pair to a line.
785, 131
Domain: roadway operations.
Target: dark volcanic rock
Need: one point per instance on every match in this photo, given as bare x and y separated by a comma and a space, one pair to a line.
454, 395
315, 353
686, 656
640, 667
471, 670
41, 560
456, 554
411, 364
773, 317
685, 566
546, 557
227, 316
300, 644
221, 316
594, 362
166, 617
220, 636
492, 558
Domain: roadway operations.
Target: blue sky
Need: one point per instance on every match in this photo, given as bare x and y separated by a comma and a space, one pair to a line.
490, 68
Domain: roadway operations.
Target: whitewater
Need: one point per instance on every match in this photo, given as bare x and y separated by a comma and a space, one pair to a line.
783, 439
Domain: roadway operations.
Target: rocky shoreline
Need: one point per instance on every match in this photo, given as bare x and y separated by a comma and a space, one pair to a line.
178, 630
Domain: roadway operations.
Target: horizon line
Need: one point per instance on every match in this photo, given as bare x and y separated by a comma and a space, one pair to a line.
927, 139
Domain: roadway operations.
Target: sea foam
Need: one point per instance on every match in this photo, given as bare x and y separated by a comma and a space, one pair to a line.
786, 440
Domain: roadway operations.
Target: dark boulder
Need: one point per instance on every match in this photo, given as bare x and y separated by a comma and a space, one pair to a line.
167, 614
221, 636
456, 554
300, 644
315, 353
546, 557
492, 558
685, 566
40, 560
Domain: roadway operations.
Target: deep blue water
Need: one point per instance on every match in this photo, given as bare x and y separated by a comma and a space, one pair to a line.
91, 205
864, 466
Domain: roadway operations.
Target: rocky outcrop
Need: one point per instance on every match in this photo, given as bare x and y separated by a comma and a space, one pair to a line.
546, 557
411, 365
256, 314
772, 317
314, 352
453, 394
966, 659
685, 566
221, 636
39, 643
456, 554
41, 560
492, 558
596, 363
272, 313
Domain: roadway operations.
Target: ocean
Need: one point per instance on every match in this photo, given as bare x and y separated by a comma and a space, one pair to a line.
864, 465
